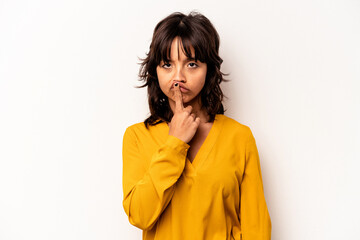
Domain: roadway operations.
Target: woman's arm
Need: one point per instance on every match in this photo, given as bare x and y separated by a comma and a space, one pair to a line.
148, 190
254, 216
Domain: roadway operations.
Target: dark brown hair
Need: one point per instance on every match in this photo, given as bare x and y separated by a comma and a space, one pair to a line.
196, 31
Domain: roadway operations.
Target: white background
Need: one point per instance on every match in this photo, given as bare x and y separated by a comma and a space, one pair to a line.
67, 76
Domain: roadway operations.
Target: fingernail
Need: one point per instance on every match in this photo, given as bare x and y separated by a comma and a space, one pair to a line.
176, 84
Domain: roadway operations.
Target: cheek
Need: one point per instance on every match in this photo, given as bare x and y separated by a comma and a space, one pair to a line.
163, 83
200, 81
162, 87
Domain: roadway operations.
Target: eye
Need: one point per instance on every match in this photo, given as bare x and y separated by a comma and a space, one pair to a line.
166, 65
193, 65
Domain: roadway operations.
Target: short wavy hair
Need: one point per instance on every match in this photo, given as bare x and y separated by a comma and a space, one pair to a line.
196, 31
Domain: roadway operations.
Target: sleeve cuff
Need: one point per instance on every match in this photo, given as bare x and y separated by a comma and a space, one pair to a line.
177, 144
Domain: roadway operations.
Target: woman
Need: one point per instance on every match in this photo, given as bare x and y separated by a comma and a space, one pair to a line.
190, 172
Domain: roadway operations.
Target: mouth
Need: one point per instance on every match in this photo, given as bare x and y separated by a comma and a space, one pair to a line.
183, 89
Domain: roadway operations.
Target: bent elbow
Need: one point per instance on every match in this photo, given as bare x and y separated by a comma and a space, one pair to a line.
142, 223
139, 218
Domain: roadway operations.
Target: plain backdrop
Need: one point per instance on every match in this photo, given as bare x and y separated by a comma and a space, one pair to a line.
67, 76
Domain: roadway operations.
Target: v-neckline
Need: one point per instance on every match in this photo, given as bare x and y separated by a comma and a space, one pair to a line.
205, 147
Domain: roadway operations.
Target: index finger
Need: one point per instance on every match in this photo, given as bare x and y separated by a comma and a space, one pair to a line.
178, 97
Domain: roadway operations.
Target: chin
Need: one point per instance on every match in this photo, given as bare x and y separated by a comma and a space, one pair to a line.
189, 100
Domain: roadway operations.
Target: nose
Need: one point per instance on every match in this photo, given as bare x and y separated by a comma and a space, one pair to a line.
178, 75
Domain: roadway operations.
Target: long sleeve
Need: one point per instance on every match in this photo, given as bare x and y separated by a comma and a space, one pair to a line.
254, 216
149, 187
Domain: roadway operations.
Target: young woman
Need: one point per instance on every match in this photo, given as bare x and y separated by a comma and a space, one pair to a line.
190, 172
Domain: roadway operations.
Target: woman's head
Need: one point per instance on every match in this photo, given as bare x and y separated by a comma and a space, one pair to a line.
185, 49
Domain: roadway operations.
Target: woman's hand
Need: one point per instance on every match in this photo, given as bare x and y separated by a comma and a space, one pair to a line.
183, 124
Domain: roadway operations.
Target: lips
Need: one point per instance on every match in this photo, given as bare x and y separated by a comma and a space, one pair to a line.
182, 88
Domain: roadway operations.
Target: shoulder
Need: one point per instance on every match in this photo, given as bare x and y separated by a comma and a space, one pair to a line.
235, 131
139, 131
233, 126
135, 130
136, 127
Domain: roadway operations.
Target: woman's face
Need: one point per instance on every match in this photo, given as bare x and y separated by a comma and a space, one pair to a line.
190, 74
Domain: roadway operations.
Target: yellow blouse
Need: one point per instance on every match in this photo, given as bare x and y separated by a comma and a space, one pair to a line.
218, 196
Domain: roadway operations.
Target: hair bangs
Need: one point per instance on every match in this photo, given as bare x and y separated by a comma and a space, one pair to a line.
163, 49
190, 45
